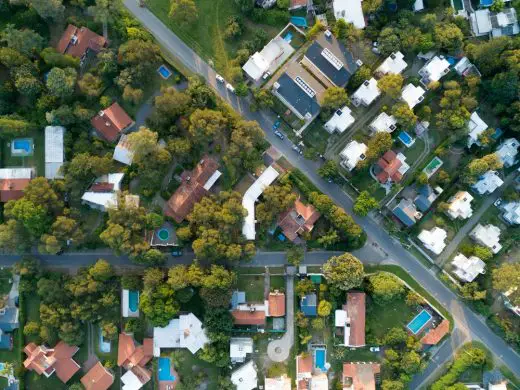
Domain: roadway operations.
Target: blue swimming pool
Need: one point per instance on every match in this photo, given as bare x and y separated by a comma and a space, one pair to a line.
299, 21
320, 355
288, 37
165, 373
486, 3
164, 72
419, 321
133, 300
406, 139
22, 147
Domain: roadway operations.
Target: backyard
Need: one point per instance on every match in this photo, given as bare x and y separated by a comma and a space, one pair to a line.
253, 285
36, 160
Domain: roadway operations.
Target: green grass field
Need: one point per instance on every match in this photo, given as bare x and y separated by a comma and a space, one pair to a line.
253, 286
37, 160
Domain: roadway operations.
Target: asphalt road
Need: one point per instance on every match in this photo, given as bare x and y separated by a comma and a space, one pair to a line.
466, 320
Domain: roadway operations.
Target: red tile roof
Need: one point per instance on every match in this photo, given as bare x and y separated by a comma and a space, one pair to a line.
129, 355
98, 378
102, 187
12, 189
245, 317
111, 121
355, 309
389, 165
361, 376
298, 4
298, 219
58, 359
85, 40
435, 335
304, 363
191, 190
276, 304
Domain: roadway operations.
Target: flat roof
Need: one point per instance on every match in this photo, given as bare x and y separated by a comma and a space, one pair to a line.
351, 11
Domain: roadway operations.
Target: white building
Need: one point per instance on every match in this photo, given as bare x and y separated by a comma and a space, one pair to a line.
383, 122
412, 95
54, 151
340, 121
394, 64
183, 332
281, 383
434, 70
353, 153
250, 197
460, 205
487, 183
476, 126
245, 377
465, 67
507, 152
239, 347
131, 381
433, 239
122, 152
468, 269
366, 93
488, 236
349, 10
512, 213
507, 301
268, 59
484, 22
418, 5
103, 193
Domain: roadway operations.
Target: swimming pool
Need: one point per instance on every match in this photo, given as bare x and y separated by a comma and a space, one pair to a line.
419, 321
486, 3
406, 139
320, 355
163, 234
133, 300
433, 166
22, 147
288, 37
299, 21
164, 72
165, 373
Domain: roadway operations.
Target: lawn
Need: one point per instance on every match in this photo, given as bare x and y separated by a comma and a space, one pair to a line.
5, 280
277, 283
412, 153
187, 365
380, 319
315, 136
253, 286
37, 160
363, 181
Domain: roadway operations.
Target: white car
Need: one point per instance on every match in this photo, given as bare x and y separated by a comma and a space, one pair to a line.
230, 88
219, 78
374, 349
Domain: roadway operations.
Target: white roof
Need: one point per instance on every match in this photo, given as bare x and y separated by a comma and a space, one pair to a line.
256, 66
394, 63
404, 166
239, 347
481, 22
351, 11
250, 197
418, 5
353, 153
498, 386
269, 58
512, 212
507, 151
183, 332
384, 122
340, 318
104, 200
433, 239
54, 151
468, 269
435, 69
245, 377
131, 381
122, 152
412, 95
340, 121
476, 126
461, 66
15, 173
488, 183
320, 382
281, 383
488, 236
212, 180
366, 93
460, 205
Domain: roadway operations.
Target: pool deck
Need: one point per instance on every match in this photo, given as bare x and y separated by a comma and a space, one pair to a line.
169, 385
423, 327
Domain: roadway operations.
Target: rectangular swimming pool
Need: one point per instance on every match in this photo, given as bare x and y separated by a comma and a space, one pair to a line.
164, 72
133, 300
406, 139
419, 321
320, 355
165, 373
22, 147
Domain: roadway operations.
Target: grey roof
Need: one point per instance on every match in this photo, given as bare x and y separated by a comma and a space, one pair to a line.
405, 211
338, 77
237, 298
426, 196
9, 320
296, 97
492, 377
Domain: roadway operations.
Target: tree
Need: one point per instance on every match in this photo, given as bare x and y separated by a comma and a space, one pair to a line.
316, 29
26, 81
109, 330
33, 217
276, 200
448, 36
411, 362
40, 192
12, 58
364, 203
31, 328
404, 115
333, 98
207, 124
295, 255
318, 323
506, 279
379, 144
479, 166
304, 287
363, 73
372, 6
24, 41
13, 126
132, 95
263, 98
171, 103
385, 287
389, 41
104, 11
395, 337
329, 238
344, 272
91, 85
49, 9
329, 170
183, 12
324, 308
392, 385
179, 147
53, 59
234, 27
76, 386
482, 252
391, 84
61, 82
143, 144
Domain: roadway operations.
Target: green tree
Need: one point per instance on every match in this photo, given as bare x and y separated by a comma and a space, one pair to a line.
329, 170
385, 287
91, 85
263, 98
506, 279
33, 217
53, 59
389, 41
105, 11
318, 323
477, 167
295, 255
109, 330
395, 337
276, 200
333, 98
448, 36
482, 252
207, 124
48, 9
364, 203
24, 41
26, 82
183, 12
363, 73
379, 144
344, 272
304, 287
13, 126
61, 82
132, 95
324, 308
31, 328
391, 84
404, 115
329, 238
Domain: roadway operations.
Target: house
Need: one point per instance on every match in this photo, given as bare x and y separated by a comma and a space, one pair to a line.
305, 378
353, 153
80, 42
123, 152
433, 239
412, 95
434, 70
507, 152
195, 185
237, 298
366, 93
340, 121
135, 378
426, 195
467, 269
488, 236
245, 377
111, 122
249, 315
460, 205
54, 152
383, 122
97, 378
418, 5
239, 347
300, 218
330, 61
350, 320
508, 303
406, 212
494, 24
464, 68
103, 193
360, 375
511, 213
281, 383
129, 303
13, 182
276, 304
476, 127
391, 167
308, 305
351, 11
494, 380
434, 335
8, 321
134, 358
183, 332
393, 64
250, 197
487, 183
274, 54
47, 361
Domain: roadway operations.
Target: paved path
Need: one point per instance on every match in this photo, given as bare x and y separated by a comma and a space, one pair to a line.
465, 230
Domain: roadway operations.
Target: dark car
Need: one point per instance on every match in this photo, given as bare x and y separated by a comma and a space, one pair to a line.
177, 252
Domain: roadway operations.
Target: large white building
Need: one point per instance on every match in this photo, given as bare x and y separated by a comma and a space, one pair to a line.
484, 22
280, 383
54, 151
434, 70
366, 93
512, 213
488, 236
394, 64
351, 11
103, 193
467, 269
460, 205
353, 153
183, 332
245, 377
340, 121
239, 347
508, 151
412, 95
433, 239
384, 122
476, 127
268, 59
487, 183
123, 152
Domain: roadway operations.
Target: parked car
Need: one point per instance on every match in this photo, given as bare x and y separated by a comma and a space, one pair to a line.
219, 78
230, 88
276, 125
177, 252
498, 202
297, 149
279, 134
266, 75
374, 349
